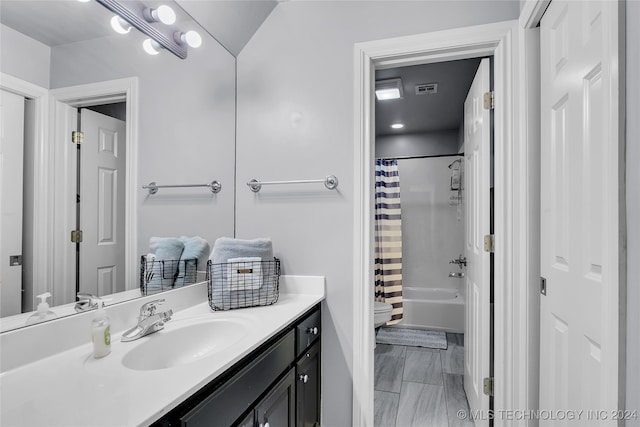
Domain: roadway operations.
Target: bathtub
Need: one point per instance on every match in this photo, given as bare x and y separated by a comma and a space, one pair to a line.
433, 309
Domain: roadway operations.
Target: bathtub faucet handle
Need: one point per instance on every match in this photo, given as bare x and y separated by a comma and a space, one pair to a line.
461, 261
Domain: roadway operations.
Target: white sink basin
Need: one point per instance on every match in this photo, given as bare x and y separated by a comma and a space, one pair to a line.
173, 347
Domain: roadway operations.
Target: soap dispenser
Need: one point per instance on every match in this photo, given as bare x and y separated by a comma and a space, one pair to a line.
101, 332
42, 313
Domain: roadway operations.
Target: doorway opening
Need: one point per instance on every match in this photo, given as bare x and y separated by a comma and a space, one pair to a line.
514, 333
97, 189
421, 140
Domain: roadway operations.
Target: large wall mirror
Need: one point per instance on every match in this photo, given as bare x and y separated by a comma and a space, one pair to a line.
160, 118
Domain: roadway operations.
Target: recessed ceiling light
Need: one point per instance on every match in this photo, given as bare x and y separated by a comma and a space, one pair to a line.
388, 89
397, 126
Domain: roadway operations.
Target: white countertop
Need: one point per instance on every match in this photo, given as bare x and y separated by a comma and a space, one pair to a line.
74, 389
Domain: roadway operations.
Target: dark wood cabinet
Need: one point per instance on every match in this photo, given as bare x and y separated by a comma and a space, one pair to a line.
308, 388
276, 385
278, 408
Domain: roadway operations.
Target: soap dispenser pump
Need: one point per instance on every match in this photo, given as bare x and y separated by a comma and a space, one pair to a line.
42, 313
101, 332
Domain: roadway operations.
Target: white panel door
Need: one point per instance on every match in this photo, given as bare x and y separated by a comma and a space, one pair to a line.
102, 179
579, 345
477, 334
11, 164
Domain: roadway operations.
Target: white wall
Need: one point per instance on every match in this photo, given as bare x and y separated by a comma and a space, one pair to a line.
295, 121
186, 130
24, 57
633, 210
432, 229
417, 144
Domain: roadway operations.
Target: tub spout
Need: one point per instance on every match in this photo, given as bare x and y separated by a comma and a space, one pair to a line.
456, 275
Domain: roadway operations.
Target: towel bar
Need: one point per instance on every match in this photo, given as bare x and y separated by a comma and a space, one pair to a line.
331, 182
214, 186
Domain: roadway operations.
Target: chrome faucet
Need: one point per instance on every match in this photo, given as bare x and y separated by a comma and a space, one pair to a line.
148, 322
86, 302
461, 261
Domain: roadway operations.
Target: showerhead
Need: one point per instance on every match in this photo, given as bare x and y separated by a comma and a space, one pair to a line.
454, 162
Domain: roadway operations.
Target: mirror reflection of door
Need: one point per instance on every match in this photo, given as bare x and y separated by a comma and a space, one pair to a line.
101, 200
12, 111
98, 192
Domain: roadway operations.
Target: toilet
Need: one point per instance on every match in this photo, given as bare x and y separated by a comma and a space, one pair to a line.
381, 313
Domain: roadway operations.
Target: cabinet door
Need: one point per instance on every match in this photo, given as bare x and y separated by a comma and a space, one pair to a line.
308, 388
278, 408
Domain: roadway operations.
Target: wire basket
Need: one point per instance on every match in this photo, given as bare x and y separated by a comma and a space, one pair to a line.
243, 284
163, 275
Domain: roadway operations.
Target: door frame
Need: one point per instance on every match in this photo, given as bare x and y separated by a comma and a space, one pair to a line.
125, 89
42, 265
516, 307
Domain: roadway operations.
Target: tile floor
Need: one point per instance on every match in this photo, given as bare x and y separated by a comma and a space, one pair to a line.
420, 387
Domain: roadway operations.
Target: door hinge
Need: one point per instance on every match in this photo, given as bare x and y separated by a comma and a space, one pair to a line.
76, 236
488, 243
488, 100
77, 137
488, 386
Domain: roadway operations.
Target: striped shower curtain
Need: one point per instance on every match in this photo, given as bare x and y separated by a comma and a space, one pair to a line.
388, 238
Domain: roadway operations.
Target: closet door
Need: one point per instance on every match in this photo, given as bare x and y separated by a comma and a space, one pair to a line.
11, 178
580, 208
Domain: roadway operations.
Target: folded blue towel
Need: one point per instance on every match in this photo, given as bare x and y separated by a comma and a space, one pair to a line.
195, 248
167, 249
225, 248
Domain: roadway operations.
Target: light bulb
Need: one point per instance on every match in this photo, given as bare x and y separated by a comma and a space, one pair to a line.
397, 126
119, 25
152, 47
191, 38
163, 14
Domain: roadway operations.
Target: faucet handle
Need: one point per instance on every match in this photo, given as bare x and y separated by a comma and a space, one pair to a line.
149, 308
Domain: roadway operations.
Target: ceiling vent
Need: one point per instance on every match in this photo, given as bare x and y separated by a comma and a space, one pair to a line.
427, 88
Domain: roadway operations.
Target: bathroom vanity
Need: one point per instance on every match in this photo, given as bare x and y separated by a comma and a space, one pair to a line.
277, 384
251, 367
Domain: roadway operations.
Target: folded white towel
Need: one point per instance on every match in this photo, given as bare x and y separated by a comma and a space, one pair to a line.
244, 273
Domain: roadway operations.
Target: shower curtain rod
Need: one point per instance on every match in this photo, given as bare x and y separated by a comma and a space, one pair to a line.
420, 157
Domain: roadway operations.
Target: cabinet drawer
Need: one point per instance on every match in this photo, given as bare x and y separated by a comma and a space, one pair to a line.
226, 405
308, 331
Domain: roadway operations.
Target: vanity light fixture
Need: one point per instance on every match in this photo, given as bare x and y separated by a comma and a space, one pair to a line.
190, 38
119, 25
388, 89
144, 19
163, 14
152, 47
397, 126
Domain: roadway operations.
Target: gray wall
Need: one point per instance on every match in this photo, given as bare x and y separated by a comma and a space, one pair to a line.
420, 144
24, 57
186, 130
633, 209
296, 121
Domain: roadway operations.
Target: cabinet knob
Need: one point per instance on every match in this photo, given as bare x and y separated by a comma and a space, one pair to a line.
312, 331
304, 378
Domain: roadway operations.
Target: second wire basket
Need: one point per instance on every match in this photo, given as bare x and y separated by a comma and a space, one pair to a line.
243, 284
